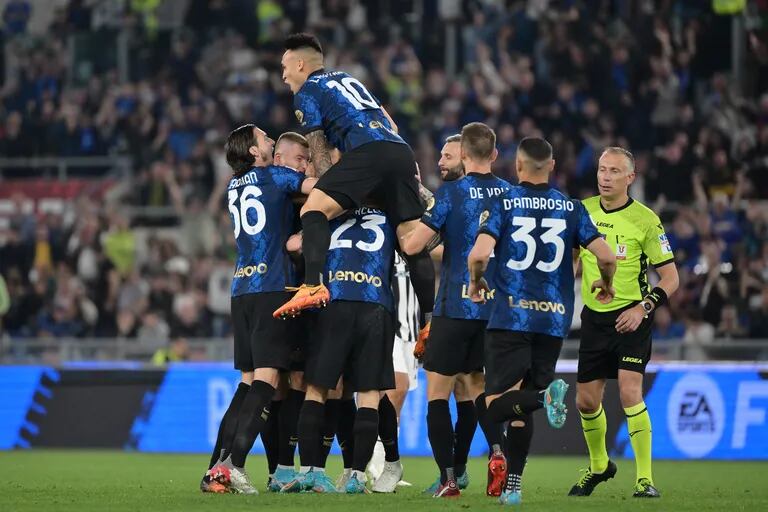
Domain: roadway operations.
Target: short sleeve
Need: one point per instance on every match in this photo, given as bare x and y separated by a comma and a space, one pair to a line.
438, 209
287, 179
656, 244
587, 231
492, 219
306, 106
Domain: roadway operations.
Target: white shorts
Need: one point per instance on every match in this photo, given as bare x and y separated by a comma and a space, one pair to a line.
405, 362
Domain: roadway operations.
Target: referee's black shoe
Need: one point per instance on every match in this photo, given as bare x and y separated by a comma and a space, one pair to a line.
645, 489
589, 480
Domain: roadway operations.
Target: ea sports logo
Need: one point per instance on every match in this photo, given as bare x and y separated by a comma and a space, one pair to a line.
696, 414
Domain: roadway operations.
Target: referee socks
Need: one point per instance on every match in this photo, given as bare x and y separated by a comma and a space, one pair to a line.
639, 427
595, 428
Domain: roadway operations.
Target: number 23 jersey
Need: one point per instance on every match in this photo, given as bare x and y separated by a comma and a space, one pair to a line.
261, 212
536, 228
342, 107
360, 258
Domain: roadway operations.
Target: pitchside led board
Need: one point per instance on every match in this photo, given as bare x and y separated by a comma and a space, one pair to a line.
714, 411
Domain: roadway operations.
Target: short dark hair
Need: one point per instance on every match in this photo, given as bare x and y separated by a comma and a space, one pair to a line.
239, 141
536, 148
302, 40
453, 138
478, 140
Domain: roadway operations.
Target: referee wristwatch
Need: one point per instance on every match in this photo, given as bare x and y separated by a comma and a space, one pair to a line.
647, 307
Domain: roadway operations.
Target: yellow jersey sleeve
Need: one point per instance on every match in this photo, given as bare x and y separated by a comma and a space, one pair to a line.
656, 244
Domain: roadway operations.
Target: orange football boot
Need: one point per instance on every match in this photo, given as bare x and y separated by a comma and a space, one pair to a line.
306, 297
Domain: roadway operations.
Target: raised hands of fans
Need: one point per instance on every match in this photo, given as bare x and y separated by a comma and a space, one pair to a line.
606, 293
478, 291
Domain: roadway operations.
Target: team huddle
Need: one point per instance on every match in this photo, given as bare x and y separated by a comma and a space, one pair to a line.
334, 293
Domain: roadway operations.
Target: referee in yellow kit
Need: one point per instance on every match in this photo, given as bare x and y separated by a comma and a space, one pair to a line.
616, 337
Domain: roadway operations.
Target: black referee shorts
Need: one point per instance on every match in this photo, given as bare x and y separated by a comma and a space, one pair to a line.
260, 340
381, 171
353, 339
512, 356
455, 346
603, 351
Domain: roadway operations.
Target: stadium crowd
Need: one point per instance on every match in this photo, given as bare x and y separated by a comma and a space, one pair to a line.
650, 76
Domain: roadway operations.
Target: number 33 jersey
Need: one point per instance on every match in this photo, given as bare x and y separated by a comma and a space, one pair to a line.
361, 257
536, 229
261, 212
342, 107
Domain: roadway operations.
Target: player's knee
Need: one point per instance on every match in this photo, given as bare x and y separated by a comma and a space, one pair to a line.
630, 395
587, 403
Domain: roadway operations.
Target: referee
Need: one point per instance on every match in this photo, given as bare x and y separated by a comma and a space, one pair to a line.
616, 337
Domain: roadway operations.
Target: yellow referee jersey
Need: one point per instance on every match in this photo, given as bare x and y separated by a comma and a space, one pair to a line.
637, 238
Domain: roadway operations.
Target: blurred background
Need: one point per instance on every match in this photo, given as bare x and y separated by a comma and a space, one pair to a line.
115, 243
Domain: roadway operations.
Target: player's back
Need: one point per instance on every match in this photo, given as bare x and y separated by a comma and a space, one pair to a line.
536, 228
342, 107
360, 258
456, 214
260, 208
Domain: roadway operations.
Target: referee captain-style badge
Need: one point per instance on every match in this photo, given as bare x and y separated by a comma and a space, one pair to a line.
621, 251
484, 216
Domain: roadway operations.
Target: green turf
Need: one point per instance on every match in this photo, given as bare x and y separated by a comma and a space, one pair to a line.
92, 480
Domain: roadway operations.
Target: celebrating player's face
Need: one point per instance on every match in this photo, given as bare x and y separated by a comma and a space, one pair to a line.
263, 148
292, 155
613, 175
290, 64
450, 164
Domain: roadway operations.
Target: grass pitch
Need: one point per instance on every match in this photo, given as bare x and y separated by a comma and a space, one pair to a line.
82, 481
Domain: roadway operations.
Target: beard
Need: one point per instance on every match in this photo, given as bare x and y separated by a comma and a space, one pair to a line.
452, 173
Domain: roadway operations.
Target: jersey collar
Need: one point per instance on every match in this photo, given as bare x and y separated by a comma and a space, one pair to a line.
481, 175
316, 72
629, 202
536, 186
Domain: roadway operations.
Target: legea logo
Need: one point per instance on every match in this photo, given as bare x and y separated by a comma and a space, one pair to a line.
696, 414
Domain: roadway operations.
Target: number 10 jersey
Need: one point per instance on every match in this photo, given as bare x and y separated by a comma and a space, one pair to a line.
261, 211
536, 228
342, 107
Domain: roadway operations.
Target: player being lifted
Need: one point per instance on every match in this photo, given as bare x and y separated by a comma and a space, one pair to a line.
455, 343
616, 337
355, 334
533, 229
259, 201
336, 110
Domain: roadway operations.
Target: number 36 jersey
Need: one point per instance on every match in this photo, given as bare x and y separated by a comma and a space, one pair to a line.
342, 107
361, 257
261, 211
536, 228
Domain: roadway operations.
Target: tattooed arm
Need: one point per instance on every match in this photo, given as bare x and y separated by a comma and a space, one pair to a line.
320, 151
425, 193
